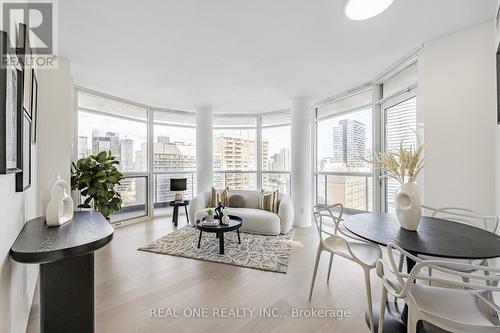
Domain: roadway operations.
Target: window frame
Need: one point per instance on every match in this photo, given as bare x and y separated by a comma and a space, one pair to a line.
388, 103
155, 174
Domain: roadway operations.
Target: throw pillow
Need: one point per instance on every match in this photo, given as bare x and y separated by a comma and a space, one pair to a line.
270, 201
216, 197
236, 201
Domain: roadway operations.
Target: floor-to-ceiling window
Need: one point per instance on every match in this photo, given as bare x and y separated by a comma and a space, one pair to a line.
174, 155
399, 120
350, 128
344, 143
152, 145
252, 151
110, 125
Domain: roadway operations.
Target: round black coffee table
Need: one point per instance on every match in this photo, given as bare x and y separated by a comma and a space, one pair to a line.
235, 223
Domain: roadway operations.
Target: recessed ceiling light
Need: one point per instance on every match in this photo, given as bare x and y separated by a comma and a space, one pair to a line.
364, 9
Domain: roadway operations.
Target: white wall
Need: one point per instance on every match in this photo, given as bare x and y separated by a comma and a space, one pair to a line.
50, 155
56, 128
17, 281
457, 97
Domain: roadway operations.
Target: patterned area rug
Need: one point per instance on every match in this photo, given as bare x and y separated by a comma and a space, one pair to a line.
268, 253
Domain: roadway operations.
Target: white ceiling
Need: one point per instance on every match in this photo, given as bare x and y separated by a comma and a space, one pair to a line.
244, 56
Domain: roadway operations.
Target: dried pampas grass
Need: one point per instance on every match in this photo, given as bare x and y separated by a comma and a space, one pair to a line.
402, 164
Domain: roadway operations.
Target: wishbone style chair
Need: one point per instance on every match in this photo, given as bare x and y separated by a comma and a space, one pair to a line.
339, 242
469, 309
466, 216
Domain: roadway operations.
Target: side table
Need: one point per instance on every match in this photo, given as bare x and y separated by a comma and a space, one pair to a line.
176, 205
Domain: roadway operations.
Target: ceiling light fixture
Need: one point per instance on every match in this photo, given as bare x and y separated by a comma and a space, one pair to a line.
364, 9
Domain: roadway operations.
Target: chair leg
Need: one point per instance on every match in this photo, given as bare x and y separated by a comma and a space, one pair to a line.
412, 320
383, 301
329, 268
318, 256
369, 299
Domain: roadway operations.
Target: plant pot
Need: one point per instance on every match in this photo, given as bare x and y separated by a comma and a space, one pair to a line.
408, 206
209, 218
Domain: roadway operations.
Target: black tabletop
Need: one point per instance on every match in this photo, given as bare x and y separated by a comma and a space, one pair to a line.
234, 223
435, 237
39, 243
179, 203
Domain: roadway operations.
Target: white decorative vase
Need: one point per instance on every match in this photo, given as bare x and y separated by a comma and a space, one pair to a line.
225, 217
60, 208
408, 206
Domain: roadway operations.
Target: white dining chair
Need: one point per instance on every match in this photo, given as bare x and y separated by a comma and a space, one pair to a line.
346, 245
470, 309
466, 216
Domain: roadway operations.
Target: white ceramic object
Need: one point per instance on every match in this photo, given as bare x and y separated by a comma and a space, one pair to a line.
408, 206
225, 217
60, 208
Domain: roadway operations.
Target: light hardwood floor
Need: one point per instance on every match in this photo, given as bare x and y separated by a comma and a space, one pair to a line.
128, 283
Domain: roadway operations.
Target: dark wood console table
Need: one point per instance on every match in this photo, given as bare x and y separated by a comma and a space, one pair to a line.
66, 257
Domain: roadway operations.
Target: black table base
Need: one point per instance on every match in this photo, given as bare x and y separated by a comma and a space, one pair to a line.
66, 257
220, 236
175, 215
67, 295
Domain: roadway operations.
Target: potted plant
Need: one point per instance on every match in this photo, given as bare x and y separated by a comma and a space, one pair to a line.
404, 165
96, 177
210, 215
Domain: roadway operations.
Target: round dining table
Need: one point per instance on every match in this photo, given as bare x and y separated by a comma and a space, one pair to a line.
433, 237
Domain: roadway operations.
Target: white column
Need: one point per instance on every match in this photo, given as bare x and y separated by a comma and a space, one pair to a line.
204, 149
301, 161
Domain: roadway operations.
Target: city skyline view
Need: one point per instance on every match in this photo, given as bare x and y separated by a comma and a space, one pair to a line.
174, 152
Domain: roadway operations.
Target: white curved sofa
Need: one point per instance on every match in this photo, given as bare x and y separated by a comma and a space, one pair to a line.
255, 220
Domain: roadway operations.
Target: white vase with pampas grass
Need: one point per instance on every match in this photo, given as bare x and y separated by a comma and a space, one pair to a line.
404, 165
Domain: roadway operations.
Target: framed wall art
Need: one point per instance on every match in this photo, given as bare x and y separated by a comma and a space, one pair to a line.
8, 108
34, 105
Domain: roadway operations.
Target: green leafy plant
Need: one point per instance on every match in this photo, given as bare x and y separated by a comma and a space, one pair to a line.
210, 212
96, 178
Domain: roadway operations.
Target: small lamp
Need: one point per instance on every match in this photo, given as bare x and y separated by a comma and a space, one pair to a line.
178, 185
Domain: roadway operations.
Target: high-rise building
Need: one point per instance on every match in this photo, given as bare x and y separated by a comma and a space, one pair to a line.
237, 152
114, 144
349, 143
126, 155
163, 139
83, 148
168, 157
352, 192
338, 145
100, 143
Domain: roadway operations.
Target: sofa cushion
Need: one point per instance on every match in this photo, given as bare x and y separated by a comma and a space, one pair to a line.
254, 220
270, 201
219, 196
236, 201
251, 198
